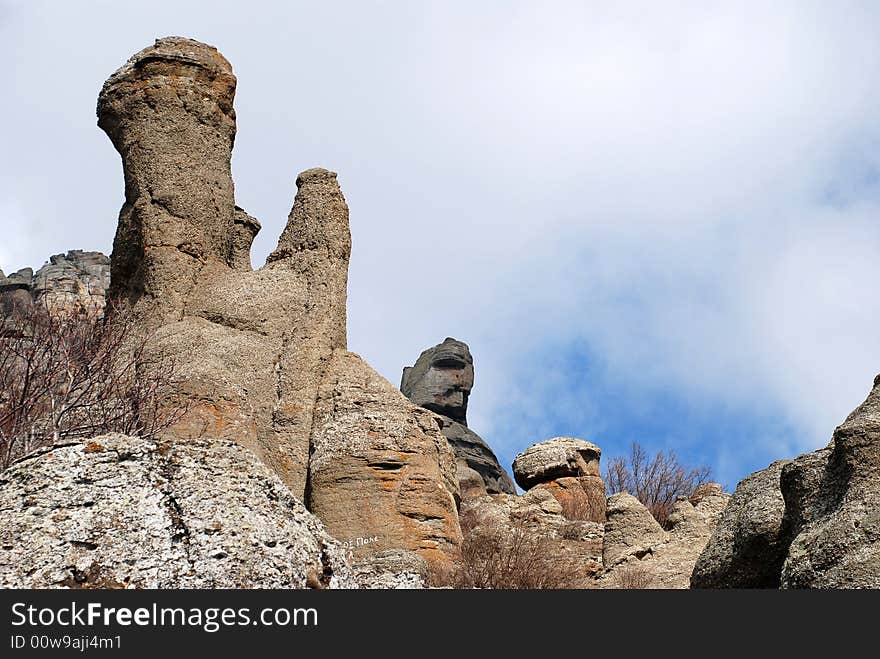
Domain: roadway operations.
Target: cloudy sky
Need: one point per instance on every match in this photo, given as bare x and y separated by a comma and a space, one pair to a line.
650, 221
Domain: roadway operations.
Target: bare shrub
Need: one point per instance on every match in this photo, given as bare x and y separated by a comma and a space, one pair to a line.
74, 374
632, 576
514, 556
655, 480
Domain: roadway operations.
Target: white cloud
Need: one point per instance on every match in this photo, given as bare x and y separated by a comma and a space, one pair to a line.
690, 191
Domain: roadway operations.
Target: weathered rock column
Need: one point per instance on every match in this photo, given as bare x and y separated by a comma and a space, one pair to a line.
441, 381
169, 113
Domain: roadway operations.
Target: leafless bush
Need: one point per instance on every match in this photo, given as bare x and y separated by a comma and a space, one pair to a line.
515, 556
74, 373
655, 480
632, 576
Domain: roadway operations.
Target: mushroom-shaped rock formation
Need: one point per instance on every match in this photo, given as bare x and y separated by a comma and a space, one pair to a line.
569, 469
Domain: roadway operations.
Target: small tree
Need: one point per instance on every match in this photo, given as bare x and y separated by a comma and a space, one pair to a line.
655, 480
74, 374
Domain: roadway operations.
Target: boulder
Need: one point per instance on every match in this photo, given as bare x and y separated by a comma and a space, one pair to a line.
559, 457
749, 544
582, 498
122, 512
639, 553
630, 530
832, 507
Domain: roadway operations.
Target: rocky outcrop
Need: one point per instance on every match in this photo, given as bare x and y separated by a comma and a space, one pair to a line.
577, 543
379, 468
262, 352
811, 522
749, 545
639, 553
121, 512
394, 569
441, 380
568, 468
832, 507
76, 280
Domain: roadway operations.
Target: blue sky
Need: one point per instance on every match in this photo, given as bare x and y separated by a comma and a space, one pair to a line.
650, 221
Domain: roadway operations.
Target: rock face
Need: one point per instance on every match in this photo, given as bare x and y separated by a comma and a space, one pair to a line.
441, 380
379, 468
639, 553
569, 469
121, 512
74, 280
811, 522
748, 546
263, 352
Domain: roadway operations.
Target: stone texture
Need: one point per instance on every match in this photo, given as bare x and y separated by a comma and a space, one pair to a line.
393, 569
630, 530
749, 544
255, 346
121, 512
380, 467
582, 498
559, 457
441, 380
470, 447
639, 553
832, 499
75, 280
811, 522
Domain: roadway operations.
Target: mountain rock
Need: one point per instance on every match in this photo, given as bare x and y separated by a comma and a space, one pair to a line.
568, 468
75, 280
262, 352
122, 512
749, 543
639, 553
380, 469
811, 522
441, 381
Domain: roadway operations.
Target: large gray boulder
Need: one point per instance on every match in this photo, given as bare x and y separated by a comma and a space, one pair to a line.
811, 522
441, 380
122, 512
749, 543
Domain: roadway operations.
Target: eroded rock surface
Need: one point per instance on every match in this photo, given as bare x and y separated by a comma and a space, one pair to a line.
263, 352
811, 522
380, 468
639, 553
71, 281
122, 512
568, 468
441, 380
749, 544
